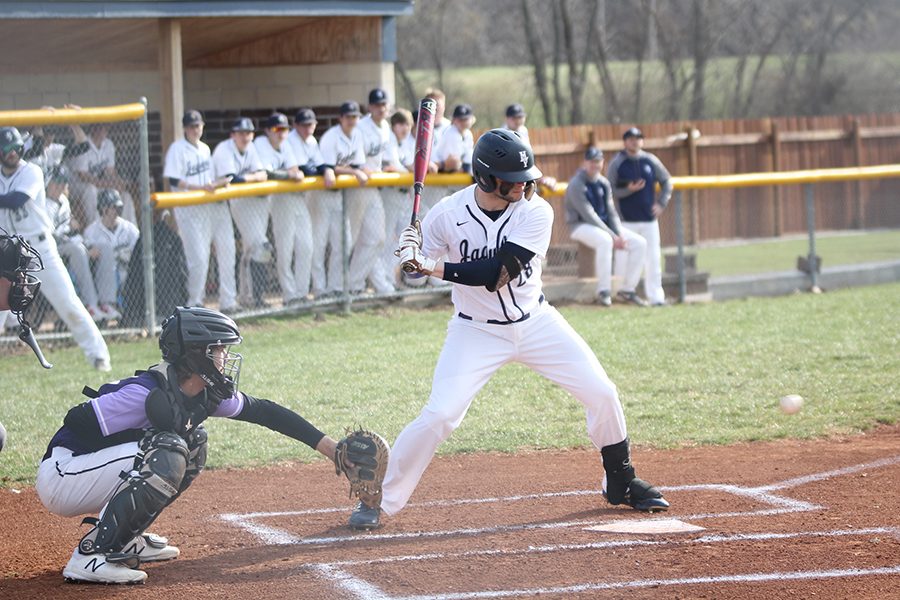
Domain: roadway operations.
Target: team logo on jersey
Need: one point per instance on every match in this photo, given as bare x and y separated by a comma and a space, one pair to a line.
523, 156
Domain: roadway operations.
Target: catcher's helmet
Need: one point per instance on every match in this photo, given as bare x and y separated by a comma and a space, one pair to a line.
502, 154
108, 197
11, 140
188, 340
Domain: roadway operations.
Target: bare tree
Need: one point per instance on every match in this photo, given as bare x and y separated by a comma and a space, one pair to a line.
536, 48
597, 41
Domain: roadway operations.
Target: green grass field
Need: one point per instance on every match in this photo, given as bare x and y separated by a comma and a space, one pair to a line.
693, 374
781, 255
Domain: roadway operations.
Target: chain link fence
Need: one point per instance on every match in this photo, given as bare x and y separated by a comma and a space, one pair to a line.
90, 219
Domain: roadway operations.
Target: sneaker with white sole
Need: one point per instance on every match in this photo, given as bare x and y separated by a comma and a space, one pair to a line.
94, 568
110, 312
150, 547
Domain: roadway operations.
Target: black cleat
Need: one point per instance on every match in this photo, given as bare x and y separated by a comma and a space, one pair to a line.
365, 517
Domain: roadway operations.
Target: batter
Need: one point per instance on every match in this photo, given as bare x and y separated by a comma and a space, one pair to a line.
494, 235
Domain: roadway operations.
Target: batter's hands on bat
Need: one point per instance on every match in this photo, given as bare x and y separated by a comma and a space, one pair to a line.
412, 260
410, 236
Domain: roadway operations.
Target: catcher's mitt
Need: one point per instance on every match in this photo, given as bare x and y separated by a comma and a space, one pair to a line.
369, 453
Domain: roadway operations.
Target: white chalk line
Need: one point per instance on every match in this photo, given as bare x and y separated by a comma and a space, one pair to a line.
643, 583
359, 588
619, 543
762, 494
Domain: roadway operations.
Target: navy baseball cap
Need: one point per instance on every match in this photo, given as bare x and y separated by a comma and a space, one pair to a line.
378, 96
593, 153
277, 120
243, 124
515, 110
191, 117
304, 116
462, 111
350, 108
633, 132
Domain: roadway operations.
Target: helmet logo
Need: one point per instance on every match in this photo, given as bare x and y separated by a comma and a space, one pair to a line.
523, 156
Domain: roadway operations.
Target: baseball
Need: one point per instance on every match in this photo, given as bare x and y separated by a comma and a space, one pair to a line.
791, 404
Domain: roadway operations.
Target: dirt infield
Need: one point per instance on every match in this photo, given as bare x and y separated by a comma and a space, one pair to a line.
809, 519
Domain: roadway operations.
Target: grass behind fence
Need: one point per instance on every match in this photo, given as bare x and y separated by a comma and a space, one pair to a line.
781, 255
694, 374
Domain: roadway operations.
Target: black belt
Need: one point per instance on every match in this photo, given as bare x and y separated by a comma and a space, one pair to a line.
524, 317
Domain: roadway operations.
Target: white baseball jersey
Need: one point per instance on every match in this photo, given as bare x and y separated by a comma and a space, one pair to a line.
51, 156
29, 220
59, 212
457, 229
338, 150
272, 159
306, 151
404, 152
228, 160
440, 128
96, 160
376, 141
189, 163
122, 238
454, 143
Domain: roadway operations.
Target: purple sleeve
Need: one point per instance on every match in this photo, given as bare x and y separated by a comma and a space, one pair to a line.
230, 407
122, 409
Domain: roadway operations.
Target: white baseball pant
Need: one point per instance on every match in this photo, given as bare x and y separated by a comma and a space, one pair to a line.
397, 208
649, 230
632, 257
472, 353
293, 233
79, 267
56, 285
76, 485
251, 215
329, 225
366, 215
199, 226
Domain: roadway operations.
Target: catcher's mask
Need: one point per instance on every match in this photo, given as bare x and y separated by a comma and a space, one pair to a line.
17, 261
503, 155
197, 340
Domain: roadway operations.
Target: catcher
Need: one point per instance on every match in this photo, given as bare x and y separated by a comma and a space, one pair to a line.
139, 443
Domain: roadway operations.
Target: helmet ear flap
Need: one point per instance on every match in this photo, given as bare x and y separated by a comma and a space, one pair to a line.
488, 183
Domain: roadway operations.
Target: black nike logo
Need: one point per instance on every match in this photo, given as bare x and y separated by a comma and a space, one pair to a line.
458, 224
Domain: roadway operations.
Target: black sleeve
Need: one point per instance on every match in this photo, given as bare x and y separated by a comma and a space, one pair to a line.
174, 183
278, 174
486, 272
235, 178
278, 418
310, 169
76, 150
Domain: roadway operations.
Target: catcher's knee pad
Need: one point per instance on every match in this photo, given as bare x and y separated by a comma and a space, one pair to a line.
196, 457
143, 493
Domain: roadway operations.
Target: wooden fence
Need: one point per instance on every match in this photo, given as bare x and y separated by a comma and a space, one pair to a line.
749, 146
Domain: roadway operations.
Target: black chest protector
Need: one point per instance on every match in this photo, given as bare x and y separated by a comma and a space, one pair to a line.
169, 409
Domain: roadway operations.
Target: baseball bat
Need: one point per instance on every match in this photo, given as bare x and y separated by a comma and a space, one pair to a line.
424, 138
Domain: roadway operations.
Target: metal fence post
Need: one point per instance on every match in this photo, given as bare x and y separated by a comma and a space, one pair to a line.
345, 251
679, 236
812, 260
147, 225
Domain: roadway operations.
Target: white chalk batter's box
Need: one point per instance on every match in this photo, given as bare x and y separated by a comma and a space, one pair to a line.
494, 566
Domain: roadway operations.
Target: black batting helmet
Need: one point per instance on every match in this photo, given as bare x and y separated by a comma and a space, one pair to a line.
187, 341
109, 197
502, 154
11, 140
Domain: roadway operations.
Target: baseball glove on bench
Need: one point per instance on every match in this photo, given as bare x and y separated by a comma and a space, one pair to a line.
369, 454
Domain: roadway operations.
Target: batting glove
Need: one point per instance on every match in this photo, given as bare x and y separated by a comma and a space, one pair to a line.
410, 236
413, 261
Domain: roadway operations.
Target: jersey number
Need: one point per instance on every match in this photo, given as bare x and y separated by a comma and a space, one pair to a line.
525, 274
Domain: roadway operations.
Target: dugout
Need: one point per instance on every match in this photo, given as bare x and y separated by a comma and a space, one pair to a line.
224, 57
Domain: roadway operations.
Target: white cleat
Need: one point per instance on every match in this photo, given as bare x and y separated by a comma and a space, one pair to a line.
150, 547
93, 568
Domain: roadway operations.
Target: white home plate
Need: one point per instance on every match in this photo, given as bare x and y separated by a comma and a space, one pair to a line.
646, 526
